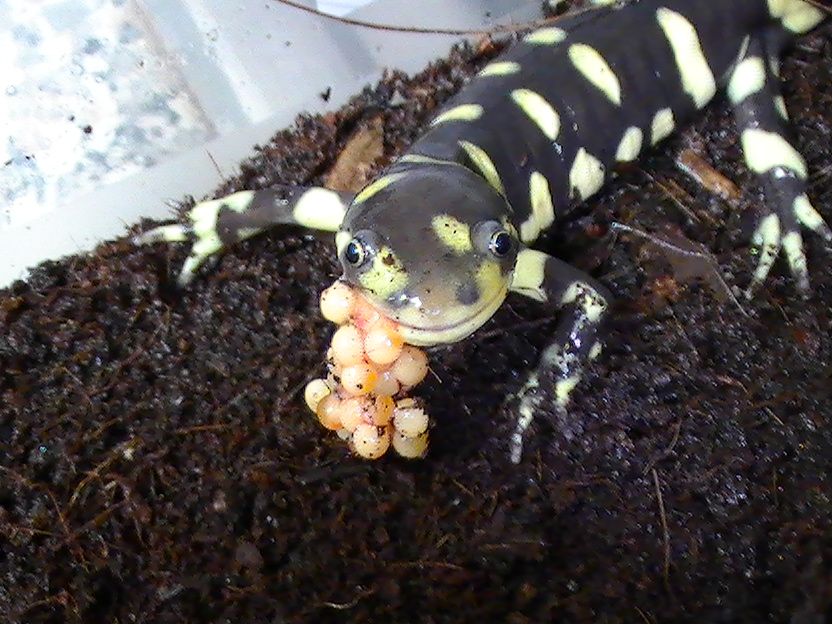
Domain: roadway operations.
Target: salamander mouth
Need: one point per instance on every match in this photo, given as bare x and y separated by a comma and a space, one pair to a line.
422, 336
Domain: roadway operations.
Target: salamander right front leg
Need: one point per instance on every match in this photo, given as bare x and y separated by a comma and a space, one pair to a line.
214, 225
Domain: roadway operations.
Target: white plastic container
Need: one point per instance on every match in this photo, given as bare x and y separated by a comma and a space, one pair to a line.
112, 108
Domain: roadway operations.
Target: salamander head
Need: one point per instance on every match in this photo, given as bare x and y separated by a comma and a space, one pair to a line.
432, 248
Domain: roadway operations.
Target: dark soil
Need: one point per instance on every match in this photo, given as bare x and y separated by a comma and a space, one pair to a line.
157, 463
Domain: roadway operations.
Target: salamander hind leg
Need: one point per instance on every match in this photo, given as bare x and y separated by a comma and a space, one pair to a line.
762, 121
574, 343
212, 226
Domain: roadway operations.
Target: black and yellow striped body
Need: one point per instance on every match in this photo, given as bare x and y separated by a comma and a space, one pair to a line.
571, 102
438, 240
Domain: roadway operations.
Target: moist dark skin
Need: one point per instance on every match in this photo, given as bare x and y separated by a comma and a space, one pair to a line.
391, 236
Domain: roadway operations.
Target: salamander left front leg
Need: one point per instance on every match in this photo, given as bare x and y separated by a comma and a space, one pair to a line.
576, 342
781, 171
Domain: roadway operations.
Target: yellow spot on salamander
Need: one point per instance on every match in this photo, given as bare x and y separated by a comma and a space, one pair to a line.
804, 18
320, 209
780, 106
589, 62
419, 159
545, 36
590, 302
796, 15
529, 274
500, 68
630, 145
453, 233
543, 209
238, 202
586, 176
539, 111
244, 233
793, 248
806, 214
564, 388
765, 151
484, 164
376, 186
748, 78
697, 79
663, 124
489, 278
463, 112
386, 277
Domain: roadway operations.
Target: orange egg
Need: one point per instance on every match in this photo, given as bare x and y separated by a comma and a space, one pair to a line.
359, 379
367, 365
410, 448
387, 384
347, 346
383, 344
369, 441
356, 411
328, 412
409, 419
314, 392
383, 410
411, 367
337, 303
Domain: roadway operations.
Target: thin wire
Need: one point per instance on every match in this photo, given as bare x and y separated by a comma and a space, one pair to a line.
425, 31
458, 32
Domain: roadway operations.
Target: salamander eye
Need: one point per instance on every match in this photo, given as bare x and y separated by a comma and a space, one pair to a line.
494, 238
355, 253
500, 244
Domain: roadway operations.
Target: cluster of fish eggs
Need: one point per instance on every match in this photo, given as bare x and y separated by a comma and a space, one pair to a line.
370, 372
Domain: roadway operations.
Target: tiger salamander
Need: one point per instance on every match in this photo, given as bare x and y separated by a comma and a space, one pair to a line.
438, 240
